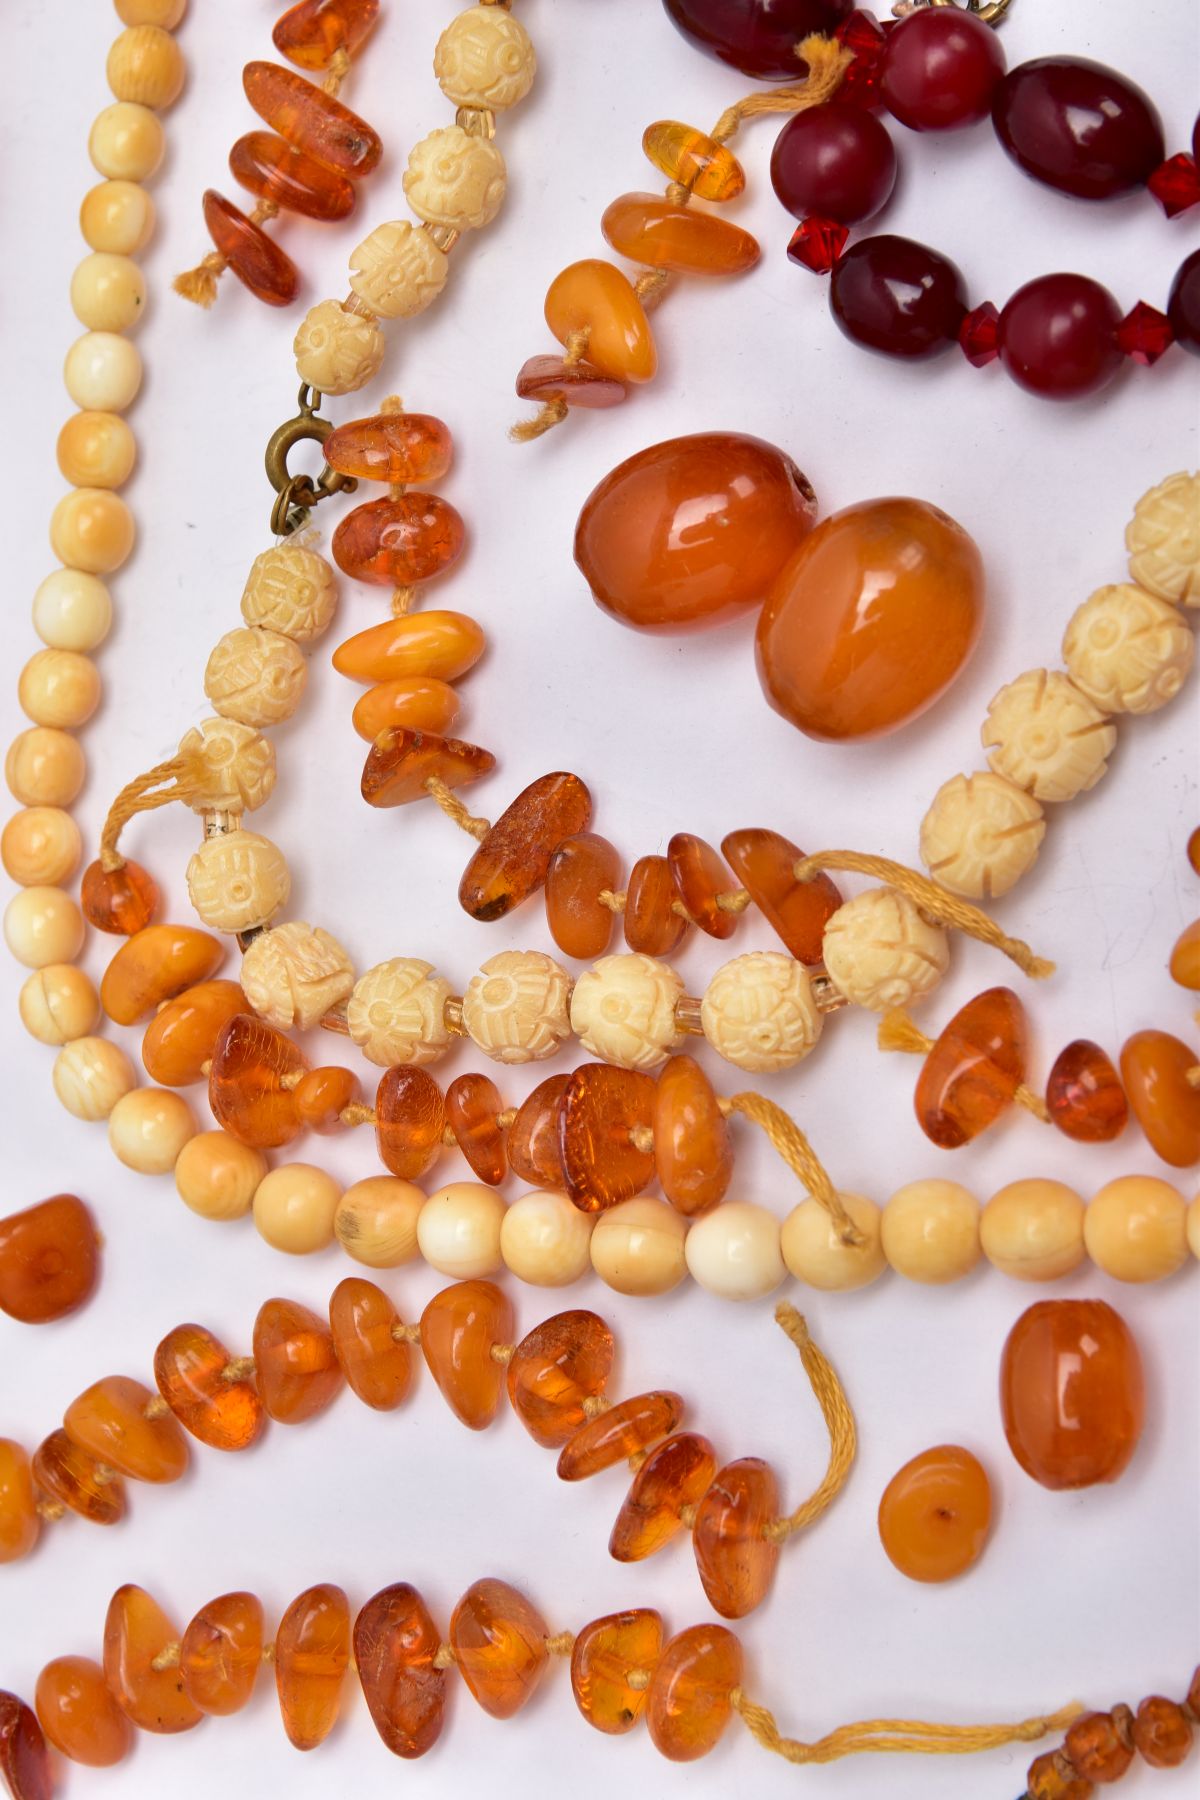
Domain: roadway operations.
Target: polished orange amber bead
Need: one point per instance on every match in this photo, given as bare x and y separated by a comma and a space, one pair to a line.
19, 1520
418, 703
625, 1430
693, 159
798, 911
24, 1758
973, 1070
410, 1116
1084, 1096
311, 120
391, 447
499, 1644
871, 619
1162, 1733
555, 1370
1071, 1393
675, 1475
595, 297
693, 1151
512, 861
1051, 1777
78, 1714
534, 1154
295, 1363
1155, 1068
256, 259
323, 1095
200, 1382
935, 1513
68, 1473
1096, 1747
735, 1554
118, 1421
701, 878
663, 235
601, 1108
312, 1654
653, 926
275, 171
459, 1329
375, 1359
49, 1260
545, 378
1185, 957
312, 33
154, 965
221, 1653
1193, 849
136, 1632
688, 1702
395, 1644
401, 761
605, 1654
394, 542
438, 643
182, 1035
246, 1091
120, 900
473, 1105
581, 869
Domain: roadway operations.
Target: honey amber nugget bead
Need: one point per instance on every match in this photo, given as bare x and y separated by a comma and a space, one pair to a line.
1155, 1068
513, 860
274, 171
246, 1090
49, 1260
136, 1632
547, 378
625, 1430
595, 297
120, 900
391, 447
67, 1472
256, 260
24, 1758
1052, 1777
735, 1554
602, 1109
556, 1368
700, 879
935, 1513
375, 1358
1071, 1393
473, 1105
197, 1378
400, 762
605, 1654
435, 643
1162, 1733
221, 1653
415, 704
693, 1151
674, 1475
652, 925
311, 120
312, 1654
182, 1035
663, 235
312, 33
323, 1095
581, 869
78, 1714
1084, 1096
1193, 850
1185, 958
459, 1328
1097, 1749
499, 1644
688, 1702
155, 964
19, 1520
109, 1420
534, 1154
394, 542
693, 159
395, 1646
797, 911
295, 1363
973, 1070
410, 1116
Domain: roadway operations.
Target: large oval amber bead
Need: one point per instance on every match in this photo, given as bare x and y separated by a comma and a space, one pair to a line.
1155, 1068
246, 1090
198, 1379
595, 297
534, 1154
256, 259
295, 1363
675, 1475
581, 869
973, 1070
374, 1356
701, 880
120, 901
1084, 1096
136, 1633
459, 1329
499, 1644
395, 1646
473, 1107
181, 1036
391, 447
437, 643
663, 235
123, 1424
313, 32
693, 159
602, 1109
693, 1149
394, 542
24, 1759
735, 1556
311, 119
312, 1654
417, 704
605, 1655
72, 1475
653, 925
797, 911
512, 861
410, 1117
221, 1653
402, 761
871, 619
1071, 1393
155, 965
689, 1700
626, 1429
49, 1260
266, 166
555, 1370
693, 530
19, 1520
78, 1714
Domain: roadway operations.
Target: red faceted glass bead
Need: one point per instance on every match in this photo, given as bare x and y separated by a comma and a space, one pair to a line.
817, 243
836, 161
1145, 334
1183, 306
24, 1758
118, 900
1084, 1096
899, 297
254, 258
1078, 127
1058, 336
759, 37
1175, 184
863, 33
979, 335
940, 69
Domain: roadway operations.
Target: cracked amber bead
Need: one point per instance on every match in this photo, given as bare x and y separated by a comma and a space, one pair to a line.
435, 643
221, 1653
513, 860
602, 1108
182, 1035
154, 965
664, 235
401, 761
693, 159
395, 1646
689, 1700
49, 1260
595, 297
625, 1430
935, 1514
312, 33
797, 911
735, 1554
410, 1116
675, 1475
312, 120
974, 1069
701, 878
419, 703
246, 1091
136, 1632
375, 1358
499, 1644
323, 1095
555, 1370
78, 1714
473, 1106
118, 1421
312, 1654
581, 869
693, 1150
276, 171
1084, 1096
459, 1328
1071, 1393
606, 1653
391, 447
652, 925
1155, 1068
72, 1475
24, 1758
196, 1377
1185, 957
392, 543
256, 259
534, 1154
20, 1523
295, 1364
121, 901
1162, 1733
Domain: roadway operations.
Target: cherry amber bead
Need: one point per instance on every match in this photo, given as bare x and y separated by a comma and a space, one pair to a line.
395, 1644
1162, 1733
1078, 126
109, 1420
312, 1654
674, 1475
68, 1473
1183, 306
940, 70
20, 1523
513, 859
401, 761
1084, 1096
120, 900
555, 1370
700, 879
689, 1700
1051, 1777
581, 869
533, 1144
734, 1554
694, 160
664, 235
601, 1108
1185, 957
312, 33
625, 1430
935, 1513
973, 1070
24, 1758
499, 1644
295, 1363
266, 166
652, 925
311, 120
194, 1373
834, 160
797, 911
323, 1095
550, 378
49, 1260
221, 1653
394, 542
1071, 1393
78, 1714
897, 296
256, 260
759, 37
410, 1116
154, 965
1058, 336
375, 1359
1095, 1747
1154, 1068
415, 704
182, 1035
604, 1656
693, 1151
595, 297
435, 643
391, 447
473, 1105
246, 1083
458, 1330
136, 1632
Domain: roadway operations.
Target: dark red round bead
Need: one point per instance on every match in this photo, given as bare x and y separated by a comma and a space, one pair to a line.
836, 161
1183, 307
941, 70
898, 297
1078, 126
1196, 140
1058, 336
759, 37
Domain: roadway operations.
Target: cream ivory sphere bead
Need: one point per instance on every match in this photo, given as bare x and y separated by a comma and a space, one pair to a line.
337, 351
167, 13
623, 1011
72, 610
1163, 540
1193, 1226
637, 1247
1127, 650
458, 1231
98, 450
90, 1075
545, 1239
148, 1128
126, 142
145, 65
42, 925
59, 1003
1135, 1228
103, 371
930, 1231
117, 216
734, 1251
880, 952
1033, 1230
980, 835
93, 530
44, 767
376, 1221
217, 1177
108, 292
455, 179
294, 1207
398, 270
40, 847
485, 59
59, 687
814, 1252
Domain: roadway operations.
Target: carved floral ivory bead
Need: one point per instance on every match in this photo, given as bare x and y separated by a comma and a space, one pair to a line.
90, 1076
294, 974
238, 881
517, 1009
398, 270
337, 351
1127, 650
881, 952
1033, 1230
255, 676
1045, 736
1163, 540
734, 1251
458, 1230
980, 835
623, 1011
814, 1252
759, 1013
485, 59
397, 1013
930, 1231
545, 1239
147, 1129
58, 1003
292, 590
238, 766
455, 179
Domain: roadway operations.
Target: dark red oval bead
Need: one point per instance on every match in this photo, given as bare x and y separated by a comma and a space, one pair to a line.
899, 297
835, 160
1058, 336
1183, 307
759, 37
940, 70
1078, 126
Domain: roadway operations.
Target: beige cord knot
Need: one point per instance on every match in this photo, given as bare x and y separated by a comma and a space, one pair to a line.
405, 1334
898, 1032
167, 1658
561, 1643
357, 1114
155, 1408
443, 1657
199, 285
339, 65
454, 809
503, 1354
239, 1368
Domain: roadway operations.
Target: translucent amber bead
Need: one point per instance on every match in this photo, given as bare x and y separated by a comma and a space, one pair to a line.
694, 160
1071, 1393
312, 33
24, 1759
1154, 1068
499, 1644
513, 860
394, 542
391, 447
256, 259
664, 235
245, 1083
120, 900
156, 964
458, 1330
601, 1108
181, 1037
1094, 1746
49, 1260
734, 1554
798, 911
973, 1070
1052, 1777
581, 869
136, 1632
221, 1653
596, 297
295, 1364
605, 1654
652, 926
1162, 1733
395, 1646
1185, 958
401, 761
473, 1103
376, 1362
677, 1474
546, 378
196, 1377
264, 164
311, 120
78, 1714
71, 1474
109, 1420
935, 1513
312, 1654
323, 1095
688, 1702
1084, 1096
693, 1152
435, 643
410, 1116
19, 1521
416, 704
555, 1370
700, 878
623, 1431
534, 1154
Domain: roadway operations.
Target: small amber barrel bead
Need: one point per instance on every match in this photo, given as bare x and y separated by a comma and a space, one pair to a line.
221, 1653
136, 1632
199, 1381
25, 1763
499, 1644
391, 447
392, 543
1096, 1745
693, 159
735, 1556
295, 1363
312, 33
123, 1424
436, 643
513, 860
459, 1328
689, 1700
533, 1147
973, 1070
473, 1105
693, 1150
663, 235
1155, 1067
410, 1116
246, 1091
395, 1646
401, 762
256, 260
675, 1475
602, 1108
1162, 1733
798, 911
1084, 1096
182, 1035
581, 869
595, 297
701, 878
375, 1357
78, 1714
154, 965
625, 1430
49, 1260
68, 1473
605, 1655
312, 1654
323, 1095
312, 120
419, 703
266, 166
19, 1520
121, 901
1052, 1777
555, 1370
652, 924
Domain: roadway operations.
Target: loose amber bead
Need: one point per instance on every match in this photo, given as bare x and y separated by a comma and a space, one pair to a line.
693, 1150
256, 259
581, 869
693, 159
1051, 1777
1097, 1749
871, 619
625, 1430
24, 1758
78, 1714
415, 704
600, 1110
665, 235
110, 1421
546, 378
513, 860
49, 1260
197, 1379
375, 1359
295, 1363
395, 1644
246, 1083
19, 1520
595, 297
136, 1632
120, 900
700, 879
221, 1653
1162, 1733
391, 447
401, 761
1193, 849
555, 1370
1154, 1068
935, 1513
798, 911
605, 1654
1185, 958
734, 1553
1071, 1393
473, 1105
973, 1070
438, 643
391, 543
68, 1473
154, 965
311, 120
459, 1328
312, 1654
534, 1153
182, 1035
688, 1702
312, 33
1084, 1096
323, 1095
499, 1644
274, 171
677, 1474
410, 1116
652, 925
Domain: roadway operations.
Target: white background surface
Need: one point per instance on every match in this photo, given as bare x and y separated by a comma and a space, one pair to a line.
1092, 1595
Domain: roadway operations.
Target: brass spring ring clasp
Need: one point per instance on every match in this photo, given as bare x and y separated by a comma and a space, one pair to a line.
990, 12
297, 495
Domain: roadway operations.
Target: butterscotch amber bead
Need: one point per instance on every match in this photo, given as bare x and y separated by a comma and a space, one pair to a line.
120, 900
312, 1654
67, 1472
312, 33
693, 1150
136, 1632
548, 378
256, 259
595, 297
1084, 1096
735, 1556
49, 1260
78, 1714
1154, 1068
391, 447
693, 159
376, 1362
1162, 1733
1097, 1749
1185, 957
246, 1083
394, 542
623, 1431
473, 1104
19, 1520
195, 1377
1071, 1393
435, 643
24, 1758
674, 1475
700, 879
401, 761
534, 1152
458, 1330
973, 1070
688, 1702
652, 925
221, 1653
323, 1095
664, 235
513, 860
109, 1420
395, 1646
601, 1108
499, 1644
410, 1116
581, 869
295, 1363
154, 965
935, 1513
1051, 1777
419, 703
555, 1370
181, 1037
604, 1656
798, 911
311, 120
275, 171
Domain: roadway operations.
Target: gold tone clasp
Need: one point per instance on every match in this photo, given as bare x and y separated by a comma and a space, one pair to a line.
296, 495
991, 12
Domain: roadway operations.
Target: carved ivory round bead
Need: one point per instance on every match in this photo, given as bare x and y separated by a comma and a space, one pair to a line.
455, 179
1135, 1228
397, 1013
238, 881
1163, 540
147, 1129
42, 925
759, 1013
734, 1251
458, 1230
623, 1011
485, 59
545, 1239
235, 766
980, 835
930, 1231
1127, 650
637, 1247
880, 952
294, 1207
293, 974
517, 1008
292, 590
337, 351
398, 270
254, 676
376, 1221
217, 1177
815, 1253
40, 846
90, 1076
1033, 1230
1045, 736
59, 1003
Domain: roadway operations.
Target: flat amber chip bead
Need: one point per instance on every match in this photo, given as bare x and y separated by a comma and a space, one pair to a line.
499, 1644
1162, 1733
401, 762
323, 1095
734, 1554
626, 1429
391, 447
606, 1653
1096, 1747
547, 378
663, 235
154, 965
594, 296
974, 1069
20, 1523
246, 1090
513, 860
78, 1714
109, 1420
136, 1633
375, 1359
312, 33
652, 925
49, 1260
121, 901
198, 1379
182, 1035
419, 703
1051, 1777
1084, 1096
459, 1328
601, 1111
395, 1646
797, 911
693, 1149
690, 1697
581, 869
694, 160
675, 1475
1072, 1393
24, 1759
436, 643
534, 1154
473, 1107
312, 1655
700, 879
72, 1475
935, 1514
221, 1653
410, 1117
295, 1363
555, 1369
394, 542
312, 120
267, 166
1155, 1068
1185, 957
256, 260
